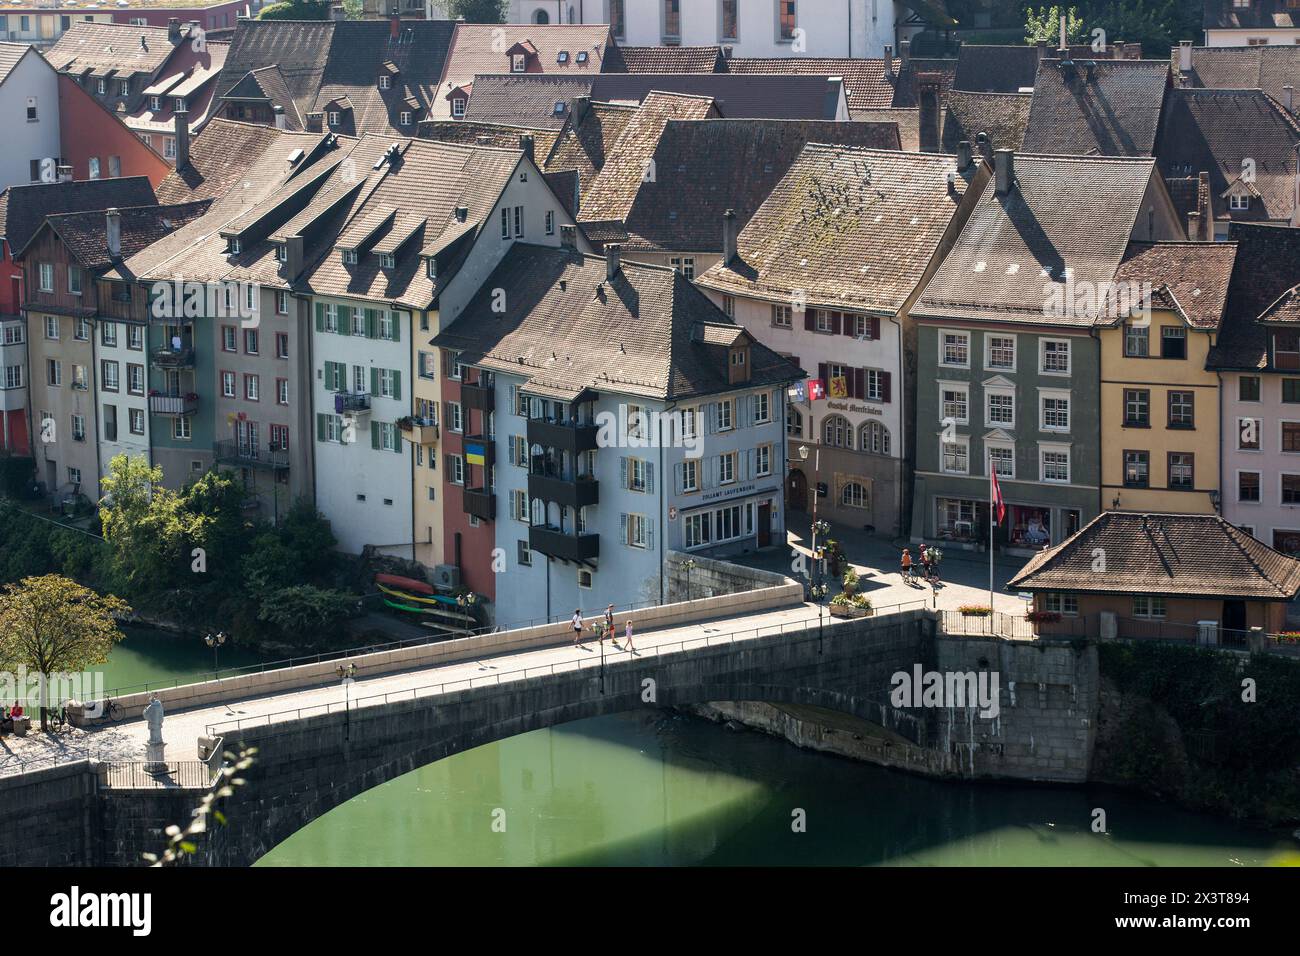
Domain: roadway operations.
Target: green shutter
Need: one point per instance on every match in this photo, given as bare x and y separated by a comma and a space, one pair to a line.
397, 384
374, 381
374, 435
345, 320
397, 326
397, 440
370, 324
320, 427
320, 316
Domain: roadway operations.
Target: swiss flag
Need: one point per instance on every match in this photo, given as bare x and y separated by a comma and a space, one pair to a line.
999, 506
816, 389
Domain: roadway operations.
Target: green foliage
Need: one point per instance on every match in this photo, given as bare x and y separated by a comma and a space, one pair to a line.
1044, 23
1156, 24
296, 10
16, 473
477, 11
304, 609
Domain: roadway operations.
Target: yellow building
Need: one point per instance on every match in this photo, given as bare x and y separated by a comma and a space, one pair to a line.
423, 436
1159, 404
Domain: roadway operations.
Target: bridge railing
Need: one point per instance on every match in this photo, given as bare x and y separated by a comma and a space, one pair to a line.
567, 664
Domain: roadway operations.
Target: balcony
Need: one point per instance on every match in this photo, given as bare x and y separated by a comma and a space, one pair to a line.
572, 493
485, 445
233, 452
555, 543
351, 402
480, 503
478, 396
173, 359
174, 404
418, 431
570, 437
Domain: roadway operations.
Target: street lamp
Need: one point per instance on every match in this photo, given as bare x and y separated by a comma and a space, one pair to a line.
346, 673
688, 566
215, 641
817, 526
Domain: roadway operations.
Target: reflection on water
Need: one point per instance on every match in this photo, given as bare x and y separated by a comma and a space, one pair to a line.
650, 788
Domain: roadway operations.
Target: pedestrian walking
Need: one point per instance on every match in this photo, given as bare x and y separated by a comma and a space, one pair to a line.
577, 627
906, 565
627, 634
925, 562
608, 630
935, 555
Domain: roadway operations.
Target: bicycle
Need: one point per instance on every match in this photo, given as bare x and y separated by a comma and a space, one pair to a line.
109, 711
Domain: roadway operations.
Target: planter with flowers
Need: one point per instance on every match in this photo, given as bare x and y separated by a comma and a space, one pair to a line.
1043, 617
975, 610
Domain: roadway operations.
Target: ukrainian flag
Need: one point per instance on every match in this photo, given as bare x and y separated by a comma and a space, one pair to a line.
475, 453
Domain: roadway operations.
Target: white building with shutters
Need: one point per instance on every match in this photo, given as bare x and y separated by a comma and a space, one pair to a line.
361, 355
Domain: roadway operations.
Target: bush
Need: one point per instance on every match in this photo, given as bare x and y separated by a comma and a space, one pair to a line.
16, 475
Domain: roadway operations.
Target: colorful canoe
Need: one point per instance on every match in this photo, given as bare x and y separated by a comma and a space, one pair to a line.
409, 585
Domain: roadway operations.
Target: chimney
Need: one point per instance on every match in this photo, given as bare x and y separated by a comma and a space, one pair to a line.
182, 118
613, 260
143, 44
278, 111
1194, 226
526, 144
293, 247
729, 232
569, 237
113, 225
1288, 98
394, 26
1119, 50
1184, 56
727, 51
1041, 49
889, 61
1204, 211
315, 122
929, 115
904, 55
1064, 44
174, 30
963, 156
338, 12
1004, 165
578, 109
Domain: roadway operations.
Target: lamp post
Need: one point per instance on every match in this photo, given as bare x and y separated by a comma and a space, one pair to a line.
466, 602
688, 566
817, 526
346, 673
215, 641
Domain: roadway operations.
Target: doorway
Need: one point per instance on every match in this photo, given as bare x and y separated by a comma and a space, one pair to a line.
1234, 615
765, 524
796, 494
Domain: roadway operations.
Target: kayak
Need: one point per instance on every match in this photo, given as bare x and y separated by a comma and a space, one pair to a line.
434, 612
410, 585
423, 599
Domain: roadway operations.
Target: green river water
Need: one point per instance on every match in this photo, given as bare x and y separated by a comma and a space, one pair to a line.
654, 788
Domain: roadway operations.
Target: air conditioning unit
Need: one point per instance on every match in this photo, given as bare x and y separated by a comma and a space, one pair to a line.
446, 577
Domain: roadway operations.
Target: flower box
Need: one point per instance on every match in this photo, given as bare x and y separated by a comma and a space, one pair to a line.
848, 610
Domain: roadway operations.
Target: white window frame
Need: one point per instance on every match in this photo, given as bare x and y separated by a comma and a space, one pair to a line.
1053, 448
992, 444
964, 389
943, 348
959, 441
1054, 394
988, 352
1042, 356
999, 391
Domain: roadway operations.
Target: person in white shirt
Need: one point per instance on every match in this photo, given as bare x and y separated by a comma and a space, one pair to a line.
577, 627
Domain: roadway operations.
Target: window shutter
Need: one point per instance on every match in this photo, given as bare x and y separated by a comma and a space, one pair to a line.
397, 326
622, 473
875, 326
821, 374
397, 384
320, 427
885, 395
374, 435
397, 441
810, 320
622, 521
850, 325
837, 322
370, 320
514, 399
320, 316
679, 470
706, 473
374, 381
650, 533
859, 383
450, 466
446, 363
649, 476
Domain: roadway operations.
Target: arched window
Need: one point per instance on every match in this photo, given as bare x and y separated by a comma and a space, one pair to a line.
541, 18
853, 496
874, 438
837, 432
793, 422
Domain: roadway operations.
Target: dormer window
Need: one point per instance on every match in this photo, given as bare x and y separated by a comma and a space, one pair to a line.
583, 56
405, 119
155, 103
349, 257
334, 118
559, 108
232, 246
102, 87
739, 361
1286, 350
517, 63
458, 107
281, 252
387, 260
179, 105
431, 267
1239, 202
562, 57
385, 82
124, 88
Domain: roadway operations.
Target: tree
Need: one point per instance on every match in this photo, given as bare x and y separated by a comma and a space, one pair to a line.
302, 609
146, 524
51, 624
477, 11
296, 10
1045, 24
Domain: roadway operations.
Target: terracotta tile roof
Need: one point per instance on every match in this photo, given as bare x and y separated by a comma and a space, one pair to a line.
1268, 268
588, 135
705, 167
627, 161
86, 233
1013, 246
853, 228
866, 84
1268, 68
23, 207
103, 47
570, 328
1003, 116
1285, 311
766, 97
1266, 14
10, 54
673, 59
219, 157
1097, 107
1195, 274
908, 121
1174, 554
1216, 131
524, 99
487, 134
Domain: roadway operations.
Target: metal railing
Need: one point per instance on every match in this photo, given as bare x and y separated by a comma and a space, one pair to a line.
142, 775
579, 663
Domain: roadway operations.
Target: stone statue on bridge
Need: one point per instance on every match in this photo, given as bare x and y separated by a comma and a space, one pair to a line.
153, 715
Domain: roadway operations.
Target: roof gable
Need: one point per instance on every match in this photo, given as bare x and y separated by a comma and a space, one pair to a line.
1096, 107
